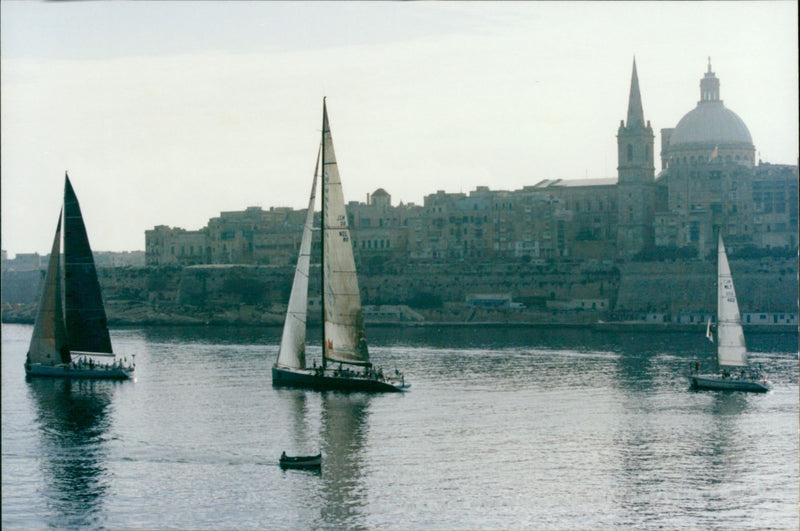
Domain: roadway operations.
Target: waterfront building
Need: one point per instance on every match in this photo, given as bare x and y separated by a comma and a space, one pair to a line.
166, 246
709, 180
377, 227
24, 262
636, 177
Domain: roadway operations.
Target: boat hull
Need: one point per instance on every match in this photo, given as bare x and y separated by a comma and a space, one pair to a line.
726, 383
49, 371
310, 379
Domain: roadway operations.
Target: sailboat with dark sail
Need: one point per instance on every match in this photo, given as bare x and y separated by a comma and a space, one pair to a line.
735, 372
70, 335
345, 357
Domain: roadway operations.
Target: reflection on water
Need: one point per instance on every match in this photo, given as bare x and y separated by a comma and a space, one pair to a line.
344, 436
296, 403
503, 429
72, 419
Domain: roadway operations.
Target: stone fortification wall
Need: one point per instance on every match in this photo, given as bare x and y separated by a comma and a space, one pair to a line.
235, 284
258, 294
527, 283
762, 285
21, 287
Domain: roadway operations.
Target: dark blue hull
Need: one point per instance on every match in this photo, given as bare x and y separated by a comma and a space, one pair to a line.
304, 461
310, 379
726, 383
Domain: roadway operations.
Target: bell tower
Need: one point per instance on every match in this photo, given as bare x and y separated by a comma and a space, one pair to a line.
636, 177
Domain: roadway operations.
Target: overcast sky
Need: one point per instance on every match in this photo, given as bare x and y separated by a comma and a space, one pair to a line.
167, 113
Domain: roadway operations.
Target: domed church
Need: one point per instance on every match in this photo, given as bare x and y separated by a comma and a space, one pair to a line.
710, 130
710, 181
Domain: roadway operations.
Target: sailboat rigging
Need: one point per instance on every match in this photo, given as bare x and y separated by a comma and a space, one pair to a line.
343, 337
71, 330
735, 371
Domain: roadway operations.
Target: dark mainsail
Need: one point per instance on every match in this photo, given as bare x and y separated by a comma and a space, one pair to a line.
87, 329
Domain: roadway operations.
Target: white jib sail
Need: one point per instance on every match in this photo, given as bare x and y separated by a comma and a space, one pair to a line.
292, 353
344, 323
49, 335
731, 349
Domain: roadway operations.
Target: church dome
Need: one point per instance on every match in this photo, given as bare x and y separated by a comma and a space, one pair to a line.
710, 131
711, 123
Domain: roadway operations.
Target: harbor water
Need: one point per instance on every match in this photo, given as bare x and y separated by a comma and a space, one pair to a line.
503, 428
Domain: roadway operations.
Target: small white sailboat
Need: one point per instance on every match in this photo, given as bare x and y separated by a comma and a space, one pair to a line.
70, 336
343, 337
735, 373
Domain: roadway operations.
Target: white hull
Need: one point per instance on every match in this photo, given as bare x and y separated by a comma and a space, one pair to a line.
101, 372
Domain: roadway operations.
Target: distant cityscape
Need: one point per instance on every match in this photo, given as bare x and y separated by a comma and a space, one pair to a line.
709, 181
36, 261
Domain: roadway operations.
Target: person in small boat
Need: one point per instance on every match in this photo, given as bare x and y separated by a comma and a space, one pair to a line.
283, 455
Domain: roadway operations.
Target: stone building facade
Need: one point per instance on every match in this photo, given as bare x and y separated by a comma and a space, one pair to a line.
166, 246
636, 177
709, 181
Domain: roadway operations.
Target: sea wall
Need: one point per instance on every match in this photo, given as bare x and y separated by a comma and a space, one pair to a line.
762, 285
439, 292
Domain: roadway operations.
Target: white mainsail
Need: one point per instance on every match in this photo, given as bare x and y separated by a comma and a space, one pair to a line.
731, 349
292, 352
345, 339
49, 335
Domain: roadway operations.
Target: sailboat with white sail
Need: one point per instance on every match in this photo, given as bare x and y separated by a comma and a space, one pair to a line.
345, 357
70, 335
735, 372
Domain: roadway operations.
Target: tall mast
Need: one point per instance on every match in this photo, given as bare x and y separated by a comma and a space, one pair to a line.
322, 235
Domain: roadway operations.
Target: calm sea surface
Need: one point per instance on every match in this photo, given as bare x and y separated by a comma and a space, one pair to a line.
503, 428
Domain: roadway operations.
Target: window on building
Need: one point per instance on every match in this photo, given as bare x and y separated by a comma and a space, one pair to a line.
630, 152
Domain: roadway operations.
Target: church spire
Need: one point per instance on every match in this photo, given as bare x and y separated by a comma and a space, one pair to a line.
635, 112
